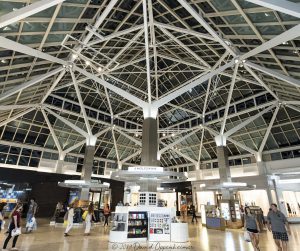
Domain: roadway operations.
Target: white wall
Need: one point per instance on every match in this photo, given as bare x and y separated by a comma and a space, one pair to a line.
169, 197
203, 198
259, 197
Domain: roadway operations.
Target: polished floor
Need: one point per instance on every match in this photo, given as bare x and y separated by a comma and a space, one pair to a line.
48, 238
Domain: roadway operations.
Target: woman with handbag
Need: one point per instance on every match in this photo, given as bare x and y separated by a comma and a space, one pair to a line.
14, 227
252, 227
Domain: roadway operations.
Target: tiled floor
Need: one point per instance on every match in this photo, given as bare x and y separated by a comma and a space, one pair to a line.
48, 238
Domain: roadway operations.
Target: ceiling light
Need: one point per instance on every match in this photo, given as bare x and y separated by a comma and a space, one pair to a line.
164, 135
74, 56
3, 61
267, 14
87, 62
136, 135
7, 28
99, 68
285, 42
202, 185
236, 61
295, 51
173, 134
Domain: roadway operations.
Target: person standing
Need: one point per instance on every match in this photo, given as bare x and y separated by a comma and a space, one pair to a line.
14, 225
194, 213
252, 226
70, 218
88, 219
106, 213
32, 209
278, 224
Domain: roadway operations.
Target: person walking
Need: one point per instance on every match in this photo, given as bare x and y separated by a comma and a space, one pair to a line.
88, 219
194, 213
32, 209
14, 225
1, 215
252, 226
106, 213
69, 216
278, 224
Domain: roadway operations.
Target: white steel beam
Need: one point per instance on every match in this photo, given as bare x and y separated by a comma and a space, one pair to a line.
170, 35
114, 59
115, 89
131, 156
247, 121
183, 155
185, 31
115, 145
84, 141
113, 35
293, 108
68, 123
12, 107
191, 85
139, 143
82, 108
178, 141
99, 21
260, 81
284, 37
229, 99
287, 7
14, 46
274, 74
56, 141
200, 148
215, 133
29, 83
145, 15
56, 81
201, 20
27, 11
263, 143
16, 117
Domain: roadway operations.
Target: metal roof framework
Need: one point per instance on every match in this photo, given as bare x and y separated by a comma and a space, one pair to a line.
83, 71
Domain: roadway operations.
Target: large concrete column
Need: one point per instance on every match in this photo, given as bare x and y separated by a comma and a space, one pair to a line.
149, 151
279, 197
224, 171
87, 170
149, 143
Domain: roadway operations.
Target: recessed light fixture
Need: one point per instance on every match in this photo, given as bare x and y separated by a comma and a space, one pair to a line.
74, 56
164, 135
99, 68
87, 62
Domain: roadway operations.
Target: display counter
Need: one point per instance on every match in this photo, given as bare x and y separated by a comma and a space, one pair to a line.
215, 223
145, 223
179, 232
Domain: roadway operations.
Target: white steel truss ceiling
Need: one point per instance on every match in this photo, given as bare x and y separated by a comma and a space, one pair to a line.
77, 69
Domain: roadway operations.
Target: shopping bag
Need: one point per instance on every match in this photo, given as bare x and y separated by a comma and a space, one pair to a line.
247, 237
84, 215
16, 231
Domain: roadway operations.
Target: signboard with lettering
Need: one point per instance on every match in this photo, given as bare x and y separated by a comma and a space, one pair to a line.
147, 169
